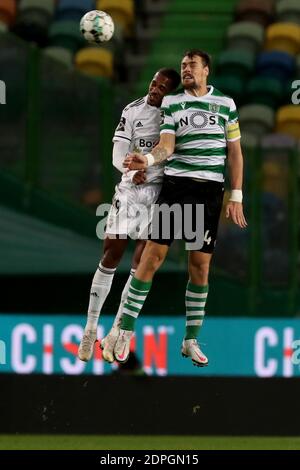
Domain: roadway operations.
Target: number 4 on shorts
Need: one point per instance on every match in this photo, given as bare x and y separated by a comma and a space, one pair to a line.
207, 239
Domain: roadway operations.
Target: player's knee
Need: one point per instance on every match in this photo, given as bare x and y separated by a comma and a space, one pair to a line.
152, 262
111, 258
199, 271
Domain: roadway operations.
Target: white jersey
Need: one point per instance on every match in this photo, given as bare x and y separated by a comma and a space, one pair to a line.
140, 126
203, 126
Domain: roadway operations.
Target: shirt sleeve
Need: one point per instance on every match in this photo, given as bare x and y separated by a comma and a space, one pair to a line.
167, 123
123, 131
120, 150
232, 126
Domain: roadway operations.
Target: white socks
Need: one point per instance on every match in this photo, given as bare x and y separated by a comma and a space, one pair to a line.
101, 286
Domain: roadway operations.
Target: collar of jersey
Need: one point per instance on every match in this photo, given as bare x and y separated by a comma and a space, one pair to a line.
203, 96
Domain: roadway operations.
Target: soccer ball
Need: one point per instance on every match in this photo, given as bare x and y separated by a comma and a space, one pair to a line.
97, 26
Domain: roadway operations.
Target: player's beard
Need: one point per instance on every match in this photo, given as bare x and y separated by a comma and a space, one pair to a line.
190, 86
194, 85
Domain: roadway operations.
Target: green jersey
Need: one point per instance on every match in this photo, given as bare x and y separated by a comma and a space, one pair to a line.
202, 126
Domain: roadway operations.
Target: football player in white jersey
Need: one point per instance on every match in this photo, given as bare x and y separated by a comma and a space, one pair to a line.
138, 131
200, 130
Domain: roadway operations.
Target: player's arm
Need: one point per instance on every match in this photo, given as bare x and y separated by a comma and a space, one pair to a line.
161, 152
122, 140
234, 208
120, 150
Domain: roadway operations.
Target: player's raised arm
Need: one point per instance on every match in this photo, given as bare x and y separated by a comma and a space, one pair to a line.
161, 152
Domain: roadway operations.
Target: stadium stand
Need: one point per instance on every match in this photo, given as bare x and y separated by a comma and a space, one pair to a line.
245, 35
73, 10
283, 37
288, 11
8, 10
288, 120
258, 11
66, 34
95, 61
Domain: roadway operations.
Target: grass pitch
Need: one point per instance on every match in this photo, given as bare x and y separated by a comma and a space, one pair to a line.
92, 442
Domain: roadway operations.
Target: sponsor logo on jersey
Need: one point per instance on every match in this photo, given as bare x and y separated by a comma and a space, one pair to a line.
198, 120
139, 124
121, 126
145, 143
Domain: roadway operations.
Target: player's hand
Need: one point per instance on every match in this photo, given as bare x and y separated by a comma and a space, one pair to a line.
235, 211
135, 161
139, 177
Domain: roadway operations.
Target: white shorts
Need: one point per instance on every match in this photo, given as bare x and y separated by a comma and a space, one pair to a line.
131, 211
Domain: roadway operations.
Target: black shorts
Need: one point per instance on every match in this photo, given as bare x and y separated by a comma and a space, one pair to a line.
184, 191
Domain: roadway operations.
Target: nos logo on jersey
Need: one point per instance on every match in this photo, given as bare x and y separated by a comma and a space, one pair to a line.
198, 120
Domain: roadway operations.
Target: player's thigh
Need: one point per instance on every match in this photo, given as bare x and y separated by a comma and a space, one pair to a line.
118, 219
213, 201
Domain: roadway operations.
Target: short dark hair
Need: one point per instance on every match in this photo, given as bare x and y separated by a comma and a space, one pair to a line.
206, 59
172, 75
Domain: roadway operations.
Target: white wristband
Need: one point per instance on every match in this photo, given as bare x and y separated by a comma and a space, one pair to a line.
236, 195
150, 159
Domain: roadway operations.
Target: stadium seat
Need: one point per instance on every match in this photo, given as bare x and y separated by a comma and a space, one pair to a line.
298, 66
264, 90
278, 141
288, 120
217, 7
33, 20
3, 27
8, 10
275, 175
245, 35
276, 150
257, 11
288, 11
64, 56
95, 61
121, 12
276, 64
189, 37
283, 37
68, 10
66, 34
249, 140
229, 85
46, 6
237, 62
256, 119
